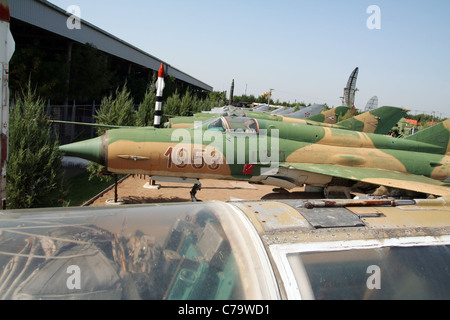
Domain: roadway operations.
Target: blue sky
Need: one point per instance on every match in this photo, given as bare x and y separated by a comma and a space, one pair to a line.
304, 49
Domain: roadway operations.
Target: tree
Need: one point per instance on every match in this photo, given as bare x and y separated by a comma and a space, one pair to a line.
116, 111
187, 105
146, 110
219, 96
113, 111
34, 170
46, 70
172, 106
90, 76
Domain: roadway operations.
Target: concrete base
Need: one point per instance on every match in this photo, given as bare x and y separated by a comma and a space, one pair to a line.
148, 185
111, 202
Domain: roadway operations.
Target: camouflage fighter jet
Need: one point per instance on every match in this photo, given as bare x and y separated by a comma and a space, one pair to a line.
379, 121
328, 116
279, 154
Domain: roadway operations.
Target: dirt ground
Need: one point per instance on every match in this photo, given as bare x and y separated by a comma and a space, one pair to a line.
131, 190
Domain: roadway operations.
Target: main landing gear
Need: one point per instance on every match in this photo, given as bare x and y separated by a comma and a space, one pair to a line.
195, 188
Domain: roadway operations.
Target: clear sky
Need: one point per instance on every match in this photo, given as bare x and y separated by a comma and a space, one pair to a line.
304, 49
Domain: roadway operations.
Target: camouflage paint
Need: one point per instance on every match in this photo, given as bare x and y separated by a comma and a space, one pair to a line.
330, 116
379, 121
418, 163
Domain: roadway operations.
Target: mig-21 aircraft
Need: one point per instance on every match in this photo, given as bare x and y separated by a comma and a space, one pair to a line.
281, 154
379, 121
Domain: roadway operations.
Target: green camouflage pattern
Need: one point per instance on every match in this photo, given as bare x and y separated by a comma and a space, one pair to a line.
331, 116
299, 154
380, 120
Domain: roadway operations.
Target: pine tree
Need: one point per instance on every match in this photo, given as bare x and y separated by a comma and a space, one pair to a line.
116, 111
34, 169
146, 110
172, 106
113, 111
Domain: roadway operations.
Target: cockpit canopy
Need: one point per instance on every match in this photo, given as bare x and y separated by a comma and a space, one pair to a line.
235, 113
234, 125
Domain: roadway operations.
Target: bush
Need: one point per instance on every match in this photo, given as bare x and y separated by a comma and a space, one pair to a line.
113, 111
116, 111
34, 169
146, 111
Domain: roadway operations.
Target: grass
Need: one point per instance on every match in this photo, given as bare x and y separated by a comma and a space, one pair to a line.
80, 189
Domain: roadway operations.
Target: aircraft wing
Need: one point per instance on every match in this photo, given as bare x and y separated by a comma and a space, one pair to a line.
380, 177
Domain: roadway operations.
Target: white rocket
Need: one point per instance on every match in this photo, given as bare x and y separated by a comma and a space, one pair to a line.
160, 84
7, 47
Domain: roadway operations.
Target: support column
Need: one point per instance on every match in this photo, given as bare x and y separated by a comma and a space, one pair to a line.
69, 62
74, 116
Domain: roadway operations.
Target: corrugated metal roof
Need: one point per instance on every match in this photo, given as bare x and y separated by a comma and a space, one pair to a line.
45, 15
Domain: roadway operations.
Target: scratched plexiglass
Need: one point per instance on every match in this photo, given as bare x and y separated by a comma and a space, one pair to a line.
179, 251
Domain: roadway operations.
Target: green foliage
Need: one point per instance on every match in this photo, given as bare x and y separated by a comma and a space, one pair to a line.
87, 77
47, 70
171, 87
189, 104
263, 99
171, 108
34, 175
208, 104
81, 188
217, 96
424, 119
118, 110
146, 110
89, 74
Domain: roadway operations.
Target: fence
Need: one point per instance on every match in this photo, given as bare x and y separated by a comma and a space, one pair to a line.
73, 112
76, 113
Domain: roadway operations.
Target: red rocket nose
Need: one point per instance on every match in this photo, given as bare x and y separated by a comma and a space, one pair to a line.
161, 71
4, 10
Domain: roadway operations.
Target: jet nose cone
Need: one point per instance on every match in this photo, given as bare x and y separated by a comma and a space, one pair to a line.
91, 150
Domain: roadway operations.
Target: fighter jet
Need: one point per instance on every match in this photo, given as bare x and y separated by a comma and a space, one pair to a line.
307, 112
379, 121
276, 153
332, 115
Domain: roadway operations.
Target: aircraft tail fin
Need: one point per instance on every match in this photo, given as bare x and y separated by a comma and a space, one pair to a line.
438, 135
330, 116
380, 120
